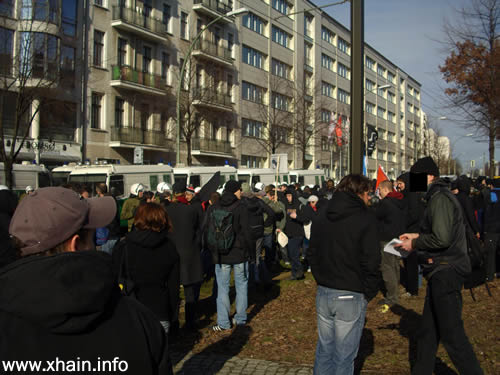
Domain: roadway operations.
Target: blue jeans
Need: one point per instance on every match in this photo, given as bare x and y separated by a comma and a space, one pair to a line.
223, 276
341, 317
294, 256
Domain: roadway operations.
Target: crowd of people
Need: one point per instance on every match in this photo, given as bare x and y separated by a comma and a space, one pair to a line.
124, 300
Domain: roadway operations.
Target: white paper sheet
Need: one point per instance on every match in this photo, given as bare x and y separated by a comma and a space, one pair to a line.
389, 248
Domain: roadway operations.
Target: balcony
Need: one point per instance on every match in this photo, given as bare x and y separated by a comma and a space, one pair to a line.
308, 64
211, 147
121, 137
213, 52
212, 99
126, 77
130, 20
213, 8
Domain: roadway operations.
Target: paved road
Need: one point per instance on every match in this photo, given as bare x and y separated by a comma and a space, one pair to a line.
208, 364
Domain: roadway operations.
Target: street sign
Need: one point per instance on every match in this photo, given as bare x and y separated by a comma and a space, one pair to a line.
138, 155
280, 161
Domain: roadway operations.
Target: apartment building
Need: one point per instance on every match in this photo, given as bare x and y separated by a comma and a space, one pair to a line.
40, 92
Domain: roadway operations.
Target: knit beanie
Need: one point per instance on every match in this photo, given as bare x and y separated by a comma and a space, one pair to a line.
425, 165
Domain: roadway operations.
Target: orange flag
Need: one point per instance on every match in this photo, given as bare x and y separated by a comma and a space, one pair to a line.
381, 176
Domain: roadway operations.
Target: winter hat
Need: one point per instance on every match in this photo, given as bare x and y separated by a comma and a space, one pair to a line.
313, 198
425, 165
232, 186
49, 216
29, 188
179, 187
190, 190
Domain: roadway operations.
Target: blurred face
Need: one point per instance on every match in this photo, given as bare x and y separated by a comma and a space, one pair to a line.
289, 198
384, 192
400, 185
329, 185
140, 193
430, 179
364, 197
313, 203
189, 196
282, 188
85, 194
238, 194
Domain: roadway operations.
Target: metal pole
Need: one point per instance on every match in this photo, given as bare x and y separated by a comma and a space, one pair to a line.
85, 80
357, 115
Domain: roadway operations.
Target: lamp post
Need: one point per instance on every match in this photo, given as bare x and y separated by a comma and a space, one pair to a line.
451, 151
236, 12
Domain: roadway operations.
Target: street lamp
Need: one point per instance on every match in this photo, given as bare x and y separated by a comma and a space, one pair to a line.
236, 12
451, 151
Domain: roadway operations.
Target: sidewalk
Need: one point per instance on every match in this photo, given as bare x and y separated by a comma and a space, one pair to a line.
208, 364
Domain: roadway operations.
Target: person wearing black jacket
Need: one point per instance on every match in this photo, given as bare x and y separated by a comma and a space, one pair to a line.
61, 299
442, 249
391, 220
345, 261
464, 185
113, 227
294, 229
236, 258
8, 204
491, 227
186, 235
153, 262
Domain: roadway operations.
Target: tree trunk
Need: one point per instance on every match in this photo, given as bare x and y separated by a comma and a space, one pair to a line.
189, 160
9, 181
492, 136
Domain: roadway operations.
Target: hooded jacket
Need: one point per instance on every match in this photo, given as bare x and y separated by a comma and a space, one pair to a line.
343, 250
293, 227
464, 185
243, 245
391, 216
415, 205
154, 267
492, 211
442, 233
69, 306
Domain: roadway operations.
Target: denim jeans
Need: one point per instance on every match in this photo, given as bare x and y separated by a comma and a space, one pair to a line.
294, 256
341, 317
223, 276
442, 321
270, 250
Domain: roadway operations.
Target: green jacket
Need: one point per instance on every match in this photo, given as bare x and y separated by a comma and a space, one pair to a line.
128, 211
277, 207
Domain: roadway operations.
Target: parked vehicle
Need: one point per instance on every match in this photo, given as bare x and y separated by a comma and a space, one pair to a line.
60, 174
264, 175
119, 178
307, 176
26, 174
199, 176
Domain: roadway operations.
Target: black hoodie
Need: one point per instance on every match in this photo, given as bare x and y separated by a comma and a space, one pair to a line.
391, 216
8, 203
344, 252
463, 196
293, 227
69, 306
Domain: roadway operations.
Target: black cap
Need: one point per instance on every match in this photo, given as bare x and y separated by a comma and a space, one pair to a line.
179, 187
232, 186
425, 165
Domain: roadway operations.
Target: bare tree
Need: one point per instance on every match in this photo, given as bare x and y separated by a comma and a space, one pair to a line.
26, 83
438, 149
473, 68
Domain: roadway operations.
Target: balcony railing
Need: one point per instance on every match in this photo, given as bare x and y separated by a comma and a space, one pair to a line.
212, 97
139, 136
128, 74
213, 49
216, 5
211, 145
132, 17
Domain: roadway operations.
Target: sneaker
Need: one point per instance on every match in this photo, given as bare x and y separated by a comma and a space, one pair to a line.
218, 328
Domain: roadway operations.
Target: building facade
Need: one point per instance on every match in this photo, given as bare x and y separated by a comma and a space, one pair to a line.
268, 81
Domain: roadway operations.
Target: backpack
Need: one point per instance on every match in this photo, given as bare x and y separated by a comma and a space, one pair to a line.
101, 236
220, 234
125, 282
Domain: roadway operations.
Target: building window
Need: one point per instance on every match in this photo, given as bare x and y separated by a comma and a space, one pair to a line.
391, 117
281, 134
308, 25
39, 10
98, 48
69, 12
325, 145
381, 70
252, 161
308, 54
184, 26
343, 71
343, 96
99, 2
165, 66
281, 6
370, 107
67, 65
119, 110
281, 69
381, 92
325, 115
95, 119
38, 55
6, 51
370, 64
7, 8
253, 57
254, 22
230, 44
327, 35
281, 37
146, 59
391, 77
343, 46
327, 62
327, 89
252, 92
370, 85
230, 86
281, 102
380, 112
391, 97
391, 136
122, 51
252, 128
166, 16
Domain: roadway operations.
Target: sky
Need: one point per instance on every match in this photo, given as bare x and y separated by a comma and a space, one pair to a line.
407, 32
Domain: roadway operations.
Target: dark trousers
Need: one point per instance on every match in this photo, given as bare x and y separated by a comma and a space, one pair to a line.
191, 295
269, 250
390, 273
490, 247
442, 321
411, 273
293, 248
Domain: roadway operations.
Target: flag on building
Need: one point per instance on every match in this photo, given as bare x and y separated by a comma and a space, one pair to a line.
338, 130
331, 127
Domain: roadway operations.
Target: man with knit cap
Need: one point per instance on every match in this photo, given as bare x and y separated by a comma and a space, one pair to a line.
236, 257
60, 303
442, 250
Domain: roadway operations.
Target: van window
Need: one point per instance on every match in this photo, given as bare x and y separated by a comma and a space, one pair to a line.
301, 180
153, 182
255, 179
293, 178
89, 180
322, 179
167, 178
194, 181
243, 178
316, 178
116, 185
43, 179
182, 178
232, 177
222, 179
59, 178
285, 178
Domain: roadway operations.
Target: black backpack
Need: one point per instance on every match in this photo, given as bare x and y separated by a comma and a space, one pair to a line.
220, 233
125, 282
